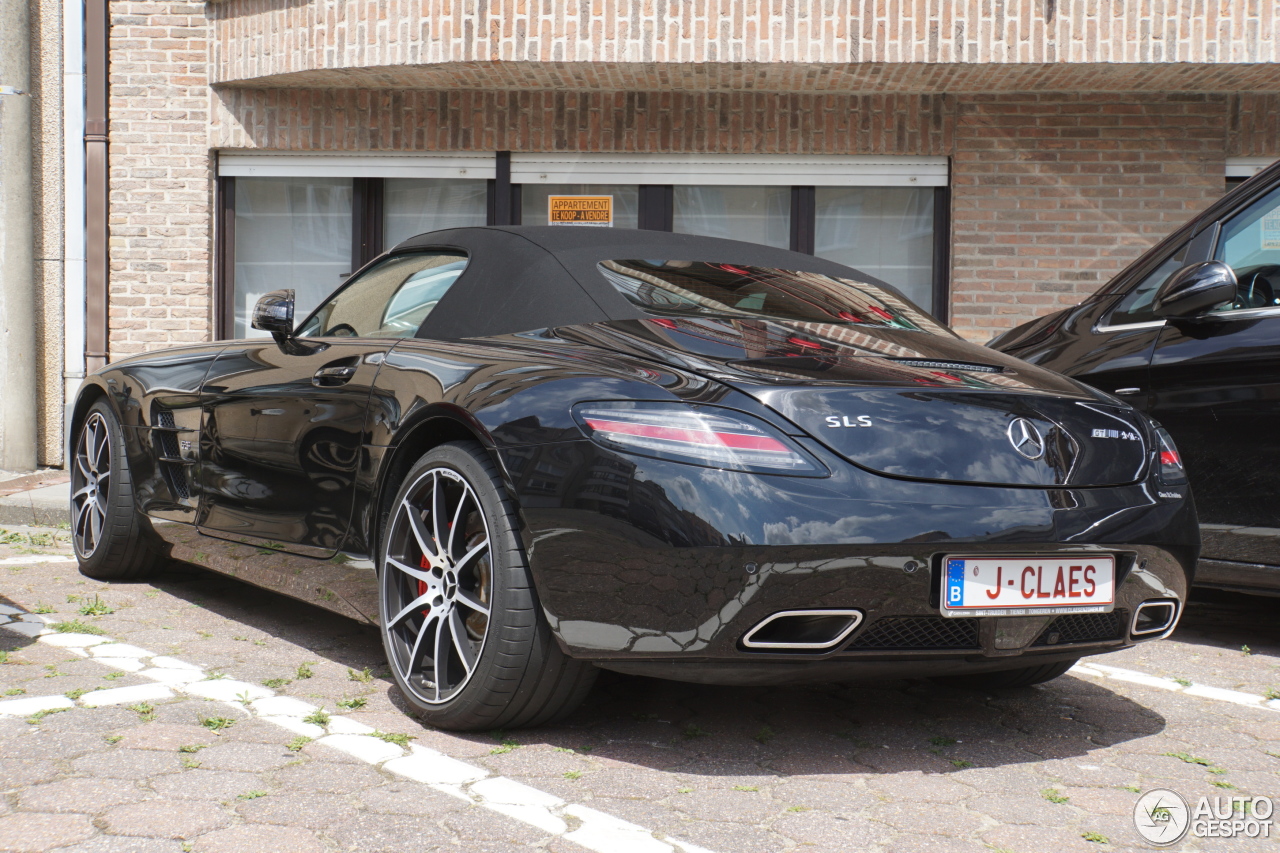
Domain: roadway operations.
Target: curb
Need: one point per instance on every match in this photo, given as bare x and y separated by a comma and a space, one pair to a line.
29, 515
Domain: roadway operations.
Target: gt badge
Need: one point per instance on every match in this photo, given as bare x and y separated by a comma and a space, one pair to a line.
837, 421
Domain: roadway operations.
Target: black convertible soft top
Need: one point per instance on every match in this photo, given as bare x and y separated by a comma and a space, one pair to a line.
521, 278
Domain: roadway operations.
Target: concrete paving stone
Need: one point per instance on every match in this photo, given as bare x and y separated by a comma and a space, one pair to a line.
479, 827
818, 830
127, 763
165, 736
122, 844
379, 833
1031, 808
923, 818
739, 806
19, 772
248, 838
904, 761
917, 788
37, 832
310, 810
408, 798
734, 837
628, 783
1040, 839
100, 721
828, 767
248, 757
255, 731
161, 819
205, 784
534, 761
836, 798
322, 776
79, 794
39, 743
935, 844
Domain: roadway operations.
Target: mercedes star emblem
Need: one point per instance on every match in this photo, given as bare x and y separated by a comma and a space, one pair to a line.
1025, 438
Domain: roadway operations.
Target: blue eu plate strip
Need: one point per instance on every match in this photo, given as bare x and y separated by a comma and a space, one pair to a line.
955, 583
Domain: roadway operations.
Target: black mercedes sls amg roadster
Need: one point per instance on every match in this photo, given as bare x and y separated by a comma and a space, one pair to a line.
529, 453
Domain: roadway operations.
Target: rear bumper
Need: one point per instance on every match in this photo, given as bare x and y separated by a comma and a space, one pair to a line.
659, 568
1253, 578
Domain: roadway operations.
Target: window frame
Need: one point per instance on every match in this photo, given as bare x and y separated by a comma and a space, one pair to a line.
656, 213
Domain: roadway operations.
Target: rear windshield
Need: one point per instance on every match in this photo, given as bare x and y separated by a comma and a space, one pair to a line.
732, 291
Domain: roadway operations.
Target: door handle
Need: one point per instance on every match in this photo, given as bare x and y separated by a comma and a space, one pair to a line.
1128, 392
330, 376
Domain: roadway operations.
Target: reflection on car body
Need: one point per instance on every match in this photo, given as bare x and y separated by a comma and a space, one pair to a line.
632, 464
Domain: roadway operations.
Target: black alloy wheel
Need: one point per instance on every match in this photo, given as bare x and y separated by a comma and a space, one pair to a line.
464, 634
111, 538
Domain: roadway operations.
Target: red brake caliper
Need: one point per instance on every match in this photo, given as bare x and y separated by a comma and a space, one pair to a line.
422, 585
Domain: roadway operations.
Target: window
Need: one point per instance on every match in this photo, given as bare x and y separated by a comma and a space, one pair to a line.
391, 300
760, 215
306, 221
886, 232
1135, 307
694, 289
626, 201
415, 206
1250, 245
290, 233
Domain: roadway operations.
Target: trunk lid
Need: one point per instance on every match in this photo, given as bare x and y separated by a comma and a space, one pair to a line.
905, 403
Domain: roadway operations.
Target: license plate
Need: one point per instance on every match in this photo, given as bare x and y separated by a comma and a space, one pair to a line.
1028, 586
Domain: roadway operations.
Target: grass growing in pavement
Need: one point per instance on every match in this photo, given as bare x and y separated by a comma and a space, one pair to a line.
765, 735
1095, 837
4, 657
191, 747
304, 670
145, 710
41, 607
353, 704
1052, 795
252, 795
277, 683
692, 731
297, 743
1189, 758
40, 715
14, 691
364, 676
217, 724
112, 676
748, 788
96, 607
318, 717
392, 737
506, 744
1185, 682
75, 626
113, 739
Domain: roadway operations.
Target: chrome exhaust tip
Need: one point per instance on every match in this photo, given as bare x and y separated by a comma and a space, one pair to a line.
803, 630
1155, 617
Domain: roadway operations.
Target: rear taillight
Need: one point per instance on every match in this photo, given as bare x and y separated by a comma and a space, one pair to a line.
699, 435
1171, 471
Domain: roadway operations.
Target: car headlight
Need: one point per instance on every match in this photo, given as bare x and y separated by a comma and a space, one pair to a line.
699, 435
1171, 471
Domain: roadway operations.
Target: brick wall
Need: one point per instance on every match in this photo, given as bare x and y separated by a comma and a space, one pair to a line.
161, 184
259, 39
1054, 193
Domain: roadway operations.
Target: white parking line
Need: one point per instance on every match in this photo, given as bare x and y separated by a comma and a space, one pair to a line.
584, 826
1204, 691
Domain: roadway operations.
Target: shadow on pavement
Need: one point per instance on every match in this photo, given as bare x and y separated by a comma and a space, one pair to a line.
746, 731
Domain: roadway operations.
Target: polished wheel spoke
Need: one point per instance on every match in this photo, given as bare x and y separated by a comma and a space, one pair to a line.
468, 599
420, 532
461, 643
434, 607
89, 478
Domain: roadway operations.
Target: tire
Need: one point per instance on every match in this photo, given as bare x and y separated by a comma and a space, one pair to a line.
112, 540
472, 607
1008, 678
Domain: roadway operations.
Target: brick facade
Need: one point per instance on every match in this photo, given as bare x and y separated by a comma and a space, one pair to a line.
1053, 193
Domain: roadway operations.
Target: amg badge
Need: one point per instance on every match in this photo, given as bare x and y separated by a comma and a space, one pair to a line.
845, 421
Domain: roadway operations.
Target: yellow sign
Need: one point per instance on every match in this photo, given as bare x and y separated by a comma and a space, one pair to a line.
594, 210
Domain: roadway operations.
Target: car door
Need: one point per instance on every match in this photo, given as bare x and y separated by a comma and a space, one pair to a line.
1215, 384
284, 422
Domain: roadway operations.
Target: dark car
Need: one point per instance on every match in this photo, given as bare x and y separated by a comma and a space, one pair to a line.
528, 453
1190, 334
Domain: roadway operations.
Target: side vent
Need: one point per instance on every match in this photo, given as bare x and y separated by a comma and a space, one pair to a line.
173, 468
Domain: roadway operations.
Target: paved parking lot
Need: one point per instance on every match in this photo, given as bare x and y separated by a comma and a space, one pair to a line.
241, 720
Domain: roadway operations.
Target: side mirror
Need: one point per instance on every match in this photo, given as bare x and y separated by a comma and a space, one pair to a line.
1195, 288
274, 314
